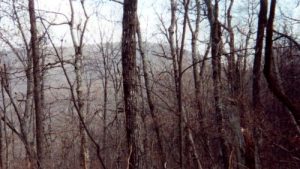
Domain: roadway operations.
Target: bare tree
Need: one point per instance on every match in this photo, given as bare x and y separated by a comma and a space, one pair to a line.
39, 115
262, 20
77, 97
233, 73
217, 144
195, 33
78, 66
130, 81
273, 81
151, 105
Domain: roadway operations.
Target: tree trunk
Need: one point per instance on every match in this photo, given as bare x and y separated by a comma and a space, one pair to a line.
145, 160
84, 153
40, 134
257, 105
105, 107
217, 144
6, 163
130, 81
262, 21
84, 160
273, 81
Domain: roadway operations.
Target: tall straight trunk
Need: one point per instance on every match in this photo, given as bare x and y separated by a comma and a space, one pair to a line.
84, 153
40, 134
105, 120
129, 74
162, 153
118, 156
105, 57
144, 142
256, 101
28, 105
217, 144
262, 21
84, 160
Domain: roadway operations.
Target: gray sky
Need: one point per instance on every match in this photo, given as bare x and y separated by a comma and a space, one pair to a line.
106, 18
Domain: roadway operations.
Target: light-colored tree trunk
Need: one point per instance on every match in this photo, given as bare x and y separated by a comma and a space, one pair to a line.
84, 160
84, 153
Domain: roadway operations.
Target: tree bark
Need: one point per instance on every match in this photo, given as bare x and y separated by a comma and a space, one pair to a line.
262, 21
84, 153
6, 164
40, 133
79, 70
105, 87
217, 144
256, 101
130, 80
